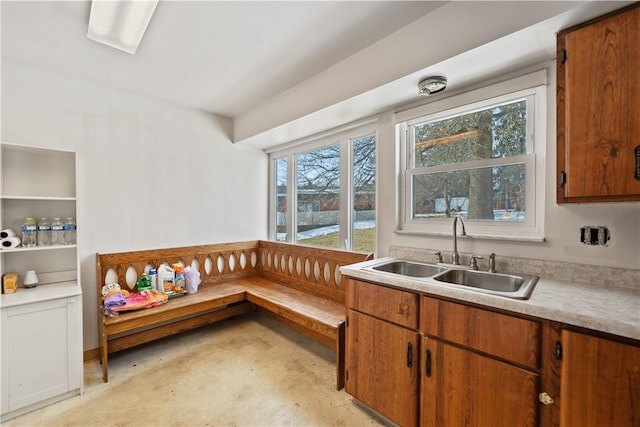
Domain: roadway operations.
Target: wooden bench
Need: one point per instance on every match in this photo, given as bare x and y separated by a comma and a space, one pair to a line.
298, 285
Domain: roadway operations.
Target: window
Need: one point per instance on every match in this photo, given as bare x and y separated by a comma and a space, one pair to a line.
480, 160
363, 179
324, 192
318, 197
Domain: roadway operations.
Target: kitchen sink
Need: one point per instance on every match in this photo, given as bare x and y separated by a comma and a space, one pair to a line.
408, 268
513, 286
518, 286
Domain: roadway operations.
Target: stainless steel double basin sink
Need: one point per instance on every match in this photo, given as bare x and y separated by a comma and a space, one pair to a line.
517, 286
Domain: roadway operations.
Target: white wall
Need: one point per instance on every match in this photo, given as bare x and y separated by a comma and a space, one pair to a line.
562, 222
152, 175
149, 175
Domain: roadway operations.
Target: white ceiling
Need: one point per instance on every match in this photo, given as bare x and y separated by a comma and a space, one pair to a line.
283, 70
218, 56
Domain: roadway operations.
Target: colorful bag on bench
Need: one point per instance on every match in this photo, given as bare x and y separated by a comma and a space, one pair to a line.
139, 301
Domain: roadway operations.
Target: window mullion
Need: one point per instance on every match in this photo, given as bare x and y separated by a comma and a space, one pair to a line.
346, 155
292, 201
531, 124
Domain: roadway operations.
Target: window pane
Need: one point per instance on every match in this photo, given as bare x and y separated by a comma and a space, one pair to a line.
318, 195
493, 193
495, 132
281, 200
363, 222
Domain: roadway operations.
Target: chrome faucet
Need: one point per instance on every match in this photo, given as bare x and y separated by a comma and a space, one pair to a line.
456, 255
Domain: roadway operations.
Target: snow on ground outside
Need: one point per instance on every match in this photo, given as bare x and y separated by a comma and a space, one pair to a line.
321, 231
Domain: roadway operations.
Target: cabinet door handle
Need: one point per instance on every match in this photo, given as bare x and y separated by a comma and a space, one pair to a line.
636, 152
427, 363
545, 398
409, 355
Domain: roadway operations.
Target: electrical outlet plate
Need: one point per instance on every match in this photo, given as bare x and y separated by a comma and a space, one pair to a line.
595, 235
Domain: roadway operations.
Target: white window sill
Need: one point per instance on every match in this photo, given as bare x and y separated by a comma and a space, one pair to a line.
531, 239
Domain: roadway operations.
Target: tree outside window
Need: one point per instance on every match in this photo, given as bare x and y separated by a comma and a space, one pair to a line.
455, 159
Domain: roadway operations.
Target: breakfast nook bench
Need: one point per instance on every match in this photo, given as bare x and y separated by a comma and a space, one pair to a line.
299, 285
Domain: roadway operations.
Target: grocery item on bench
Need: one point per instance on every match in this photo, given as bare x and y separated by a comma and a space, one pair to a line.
166, 279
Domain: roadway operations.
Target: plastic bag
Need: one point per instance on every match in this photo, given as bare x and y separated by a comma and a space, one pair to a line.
192, 279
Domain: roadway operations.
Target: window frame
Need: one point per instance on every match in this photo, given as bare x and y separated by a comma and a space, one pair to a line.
531, 87
342, 137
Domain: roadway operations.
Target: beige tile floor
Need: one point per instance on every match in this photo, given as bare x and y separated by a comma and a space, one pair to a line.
248, 371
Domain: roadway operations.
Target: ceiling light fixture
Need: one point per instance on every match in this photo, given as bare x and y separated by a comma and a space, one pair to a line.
432, 85
120, 23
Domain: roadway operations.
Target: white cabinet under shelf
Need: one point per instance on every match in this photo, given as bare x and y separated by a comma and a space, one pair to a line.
41, 347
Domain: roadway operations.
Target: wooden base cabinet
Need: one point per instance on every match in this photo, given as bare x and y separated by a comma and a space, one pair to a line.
463, 388
382, 350
462, 365
599, 383
481, 368
382, 369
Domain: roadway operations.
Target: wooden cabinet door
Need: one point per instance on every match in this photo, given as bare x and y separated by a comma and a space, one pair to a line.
463, 388
600, 382
599, 109
382, 367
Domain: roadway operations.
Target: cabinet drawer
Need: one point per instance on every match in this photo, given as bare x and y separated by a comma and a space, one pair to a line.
392, 305
510, 338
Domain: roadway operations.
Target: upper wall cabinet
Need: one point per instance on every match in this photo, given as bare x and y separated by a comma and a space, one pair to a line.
598, 66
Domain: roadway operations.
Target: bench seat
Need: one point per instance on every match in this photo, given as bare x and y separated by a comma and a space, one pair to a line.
314, 316
316, 313
298, 285
210, 304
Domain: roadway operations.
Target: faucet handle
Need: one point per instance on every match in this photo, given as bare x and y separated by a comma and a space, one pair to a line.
474, 261
438, 256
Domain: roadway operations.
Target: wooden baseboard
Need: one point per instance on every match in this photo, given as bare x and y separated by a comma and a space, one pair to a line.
91, 355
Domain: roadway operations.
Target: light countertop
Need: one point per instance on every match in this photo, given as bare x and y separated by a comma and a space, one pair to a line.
611, 309
40, 293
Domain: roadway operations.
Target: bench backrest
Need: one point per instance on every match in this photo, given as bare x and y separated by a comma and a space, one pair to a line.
312, 269
216, 263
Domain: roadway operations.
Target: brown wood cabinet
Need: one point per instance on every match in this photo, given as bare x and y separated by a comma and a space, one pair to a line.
598, 109
600, 382
382, 357
480, 368
464, 388
422, 360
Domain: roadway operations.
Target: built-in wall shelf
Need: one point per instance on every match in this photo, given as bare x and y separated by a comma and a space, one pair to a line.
38, 248
36, 182
46, 198
41, 346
